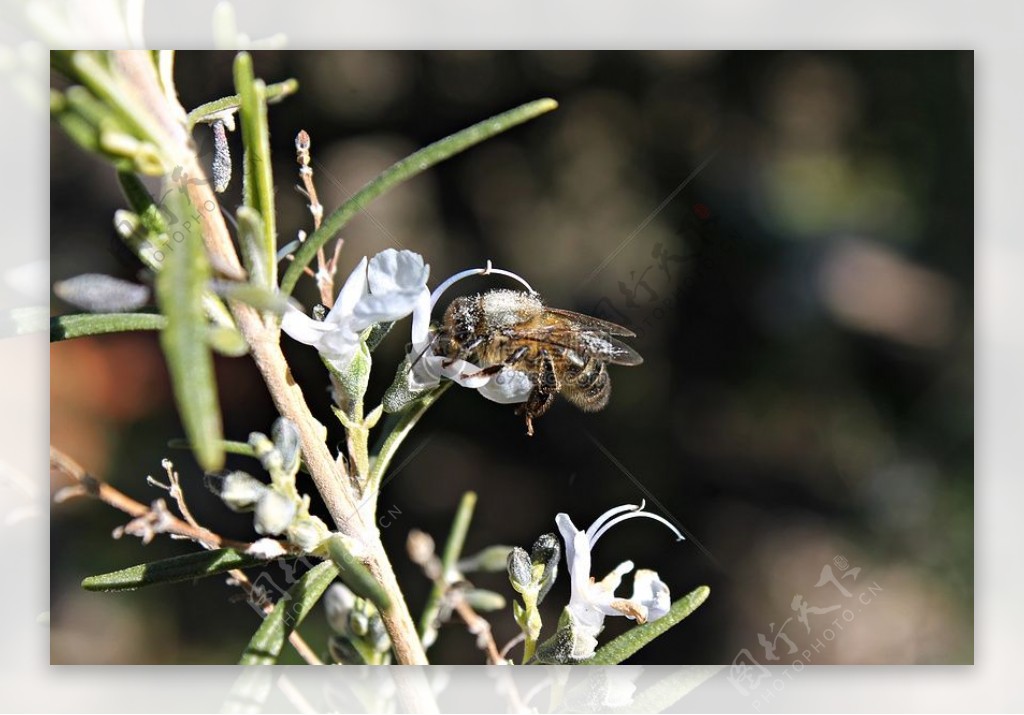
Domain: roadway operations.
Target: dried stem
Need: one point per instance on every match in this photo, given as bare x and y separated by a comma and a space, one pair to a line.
446, 595
88, 485
326, 268
478, 626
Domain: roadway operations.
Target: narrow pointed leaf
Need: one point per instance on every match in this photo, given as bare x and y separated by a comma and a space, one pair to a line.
404, 170
65, 327
265, 646
355, 575
177, 568
179, 290
634, 639
257, 178
211, 110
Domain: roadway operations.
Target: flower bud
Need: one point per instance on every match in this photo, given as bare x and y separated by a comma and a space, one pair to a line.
286, 439
547, 551
520, 570
269, 457
483, 600
308, 533
339, 601
377, 636
274, 512
239, 490
492, 558
98, 293
359, 622
342, 651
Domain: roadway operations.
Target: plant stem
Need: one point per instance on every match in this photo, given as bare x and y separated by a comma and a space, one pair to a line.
452, 551
397, 619
263, 337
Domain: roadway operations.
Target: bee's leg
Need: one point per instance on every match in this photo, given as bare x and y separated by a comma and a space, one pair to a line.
465, 351
543, 394
511, 360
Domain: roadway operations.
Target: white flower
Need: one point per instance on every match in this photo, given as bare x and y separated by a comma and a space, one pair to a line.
266, 549
506, 387
590, 601
274, 513
381, 290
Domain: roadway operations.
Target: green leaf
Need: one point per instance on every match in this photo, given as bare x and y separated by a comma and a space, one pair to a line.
107, 84
404, 170
178, 568
243, 449
179, 291
211, 110
265, 646
66, 327
355, 575
258, 179
250, 241
257, 296
227, 341
452, 551
142, 203
634, 639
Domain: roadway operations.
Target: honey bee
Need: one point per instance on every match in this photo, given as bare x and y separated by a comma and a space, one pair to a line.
559, 350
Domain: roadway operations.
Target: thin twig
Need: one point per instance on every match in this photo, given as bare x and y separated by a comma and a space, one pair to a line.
88, 485
294, 637
326, 269
519, 638
446, 597
444, 579
478, 626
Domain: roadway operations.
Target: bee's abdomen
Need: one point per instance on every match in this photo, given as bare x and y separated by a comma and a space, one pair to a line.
589, 387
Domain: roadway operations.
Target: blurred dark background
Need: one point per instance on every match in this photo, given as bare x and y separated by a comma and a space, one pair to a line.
803, 303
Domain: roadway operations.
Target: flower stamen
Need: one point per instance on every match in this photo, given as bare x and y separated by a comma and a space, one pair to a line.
487, 270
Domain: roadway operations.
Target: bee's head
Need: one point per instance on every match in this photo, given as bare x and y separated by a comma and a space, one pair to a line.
458, 327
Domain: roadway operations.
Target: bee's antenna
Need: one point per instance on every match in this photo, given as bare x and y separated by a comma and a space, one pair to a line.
423, 352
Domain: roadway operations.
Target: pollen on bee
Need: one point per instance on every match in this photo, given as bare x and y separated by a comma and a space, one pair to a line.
508, 307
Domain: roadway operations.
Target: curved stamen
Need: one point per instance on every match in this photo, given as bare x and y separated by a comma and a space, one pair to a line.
485, 271
599, 521
624, 517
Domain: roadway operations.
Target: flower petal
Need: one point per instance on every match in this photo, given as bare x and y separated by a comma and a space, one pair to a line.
507, 387
568, 531
650, 591
351, 292
303, 328
425, 371
421, 320
392, 271
383, 308
464, 373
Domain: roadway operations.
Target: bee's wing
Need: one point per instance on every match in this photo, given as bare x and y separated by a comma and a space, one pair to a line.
584, 342
588, 321
614, 351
